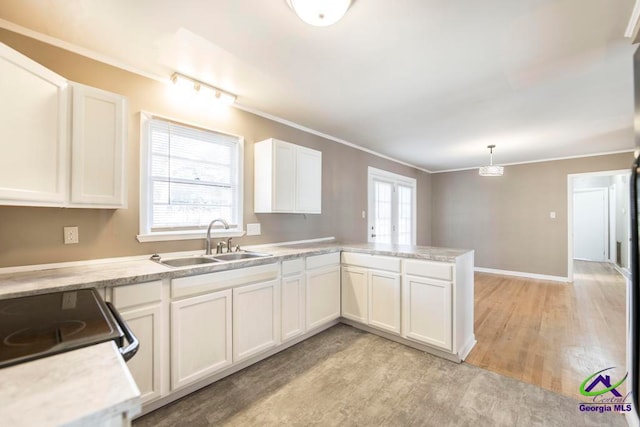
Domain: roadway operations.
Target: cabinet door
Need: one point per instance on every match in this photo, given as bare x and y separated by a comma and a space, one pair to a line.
426, 311
35, 143
284, 173
255, 319
146, 365
200, 337
323, 296
292, 307
308, 180
355, 294
98, 148
384, 301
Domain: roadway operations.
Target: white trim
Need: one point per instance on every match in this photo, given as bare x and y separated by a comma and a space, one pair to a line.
623, 271
324, 135
522, 274
467, 347
634, 22
552, 159
146, 235
570, 178
165, 79
78, 50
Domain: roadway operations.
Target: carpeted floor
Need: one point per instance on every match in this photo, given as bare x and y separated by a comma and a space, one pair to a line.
346, 377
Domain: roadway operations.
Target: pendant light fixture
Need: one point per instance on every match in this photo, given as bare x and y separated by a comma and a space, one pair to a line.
491, 170
320, 13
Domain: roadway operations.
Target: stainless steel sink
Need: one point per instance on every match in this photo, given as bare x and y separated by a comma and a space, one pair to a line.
186, 261
234, 256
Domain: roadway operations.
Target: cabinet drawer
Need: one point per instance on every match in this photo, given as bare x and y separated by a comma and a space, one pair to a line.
376, 262
202, 283
437, 270
317, 261
292, 266
138, 294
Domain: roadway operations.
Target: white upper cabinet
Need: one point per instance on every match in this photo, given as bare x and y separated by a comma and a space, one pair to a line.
288, 178
34, 139
55, 149
98, 146
308, 180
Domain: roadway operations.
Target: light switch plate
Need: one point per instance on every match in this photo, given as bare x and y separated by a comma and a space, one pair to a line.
253, 229
552, 215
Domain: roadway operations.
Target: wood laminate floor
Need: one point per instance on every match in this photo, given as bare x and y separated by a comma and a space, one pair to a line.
551, 334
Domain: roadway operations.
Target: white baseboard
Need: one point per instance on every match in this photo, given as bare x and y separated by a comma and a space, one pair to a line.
623, 271
522, 274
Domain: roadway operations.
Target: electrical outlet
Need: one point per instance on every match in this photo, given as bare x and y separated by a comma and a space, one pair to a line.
69, 300
71, 235
253, 229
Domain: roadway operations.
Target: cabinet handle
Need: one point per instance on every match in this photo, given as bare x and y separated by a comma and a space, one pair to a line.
373, 235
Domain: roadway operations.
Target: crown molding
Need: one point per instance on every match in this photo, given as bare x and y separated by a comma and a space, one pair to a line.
633, 27
552, 159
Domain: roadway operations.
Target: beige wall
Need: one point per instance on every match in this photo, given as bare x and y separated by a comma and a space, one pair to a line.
34, 235
506, 220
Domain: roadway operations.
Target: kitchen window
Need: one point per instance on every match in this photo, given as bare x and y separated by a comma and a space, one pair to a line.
189, 176
392, 208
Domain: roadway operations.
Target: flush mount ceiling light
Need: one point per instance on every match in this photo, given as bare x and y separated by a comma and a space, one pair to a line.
182, 81
320, 13
491, 170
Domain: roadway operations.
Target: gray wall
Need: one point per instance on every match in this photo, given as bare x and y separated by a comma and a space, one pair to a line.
506, 220
31, 235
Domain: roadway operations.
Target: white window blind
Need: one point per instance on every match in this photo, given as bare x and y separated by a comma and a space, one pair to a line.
193, 177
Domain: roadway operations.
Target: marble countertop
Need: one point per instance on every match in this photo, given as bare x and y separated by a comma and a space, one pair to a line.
118, 273
78, 388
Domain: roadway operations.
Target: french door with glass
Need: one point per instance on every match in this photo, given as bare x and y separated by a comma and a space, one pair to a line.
392, 208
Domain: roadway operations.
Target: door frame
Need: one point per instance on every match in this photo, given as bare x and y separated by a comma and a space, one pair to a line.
373, 173
570, 181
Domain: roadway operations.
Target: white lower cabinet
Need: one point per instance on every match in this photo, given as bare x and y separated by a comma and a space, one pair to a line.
323, 289
371, 296
201, 336
140, 306
384, 301
292, 300
256, 318
355, 294
426, 311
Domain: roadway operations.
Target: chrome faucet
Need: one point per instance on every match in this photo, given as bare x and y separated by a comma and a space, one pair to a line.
208, 242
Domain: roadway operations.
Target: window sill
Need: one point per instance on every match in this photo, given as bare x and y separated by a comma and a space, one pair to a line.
187, 235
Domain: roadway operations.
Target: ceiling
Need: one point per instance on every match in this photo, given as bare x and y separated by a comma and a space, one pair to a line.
427, 82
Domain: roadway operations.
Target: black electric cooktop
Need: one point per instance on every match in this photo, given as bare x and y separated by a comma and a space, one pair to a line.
42, 325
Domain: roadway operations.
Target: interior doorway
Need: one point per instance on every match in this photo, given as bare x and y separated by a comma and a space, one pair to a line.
591, 224
598, 219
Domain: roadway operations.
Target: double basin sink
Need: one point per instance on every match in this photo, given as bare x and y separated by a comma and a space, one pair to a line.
211, 259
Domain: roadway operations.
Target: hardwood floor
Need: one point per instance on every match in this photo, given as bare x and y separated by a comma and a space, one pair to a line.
551, 334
